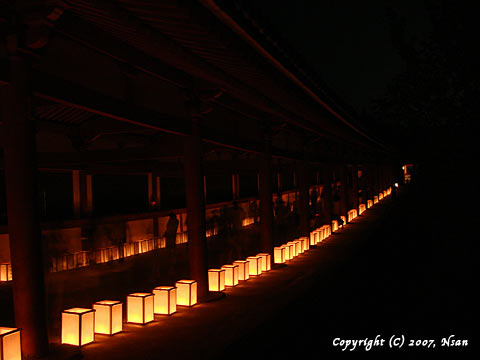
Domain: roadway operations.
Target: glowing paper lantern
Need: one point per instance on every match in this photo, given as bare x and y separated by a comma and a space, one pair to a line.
380, 196
254, 265
369, 204
384, 193
216, 279
140, 308
361, 209
306, 243
10, 344
108, 317
287, 251
375, 199
295, 248
335, 225
231, 275
165, 300
78, 326
186, 292
344, 219
352, 214
312, 238
279, 255
5, 272
243, 269
266, 261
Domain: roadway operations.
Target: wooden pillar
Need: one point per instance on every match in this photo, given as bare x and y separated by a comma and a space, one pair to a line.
158, 193
303, 210
343, 190
194, 191
265, 195
235, 187
151, 199
23, 218
77, 197
354, 187
328, 198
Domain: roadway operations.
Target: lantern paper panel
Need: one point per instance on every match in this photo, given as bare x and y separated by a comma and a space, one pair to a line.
108, 317
231, 275
335, 225
266, 261
10, 344
361, 209
216, 279
369, 203
295, 248
186, 292
312, 238
5, 272
140, 308
279, 255
255, 265
243, 269
78, 326
287, 251
165, 300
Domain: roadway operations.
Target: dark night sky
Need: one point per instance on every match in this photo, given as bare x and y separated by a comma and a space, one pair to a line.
346, 42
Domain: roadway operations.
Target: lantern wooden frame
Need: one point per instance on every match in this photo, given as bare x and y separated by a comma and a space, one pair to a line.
80, 322
114, 317
255, 265
231, 274
216, 279
164, 300
243, 269
143, 302
186, 292
10, 343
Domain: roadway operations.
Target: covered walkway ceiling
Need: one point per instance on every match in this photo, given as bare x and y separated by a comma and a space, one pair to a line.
118, 80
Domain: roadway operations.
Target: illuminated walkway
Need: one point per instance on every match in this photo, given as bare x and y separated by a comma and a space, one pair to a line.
361, 282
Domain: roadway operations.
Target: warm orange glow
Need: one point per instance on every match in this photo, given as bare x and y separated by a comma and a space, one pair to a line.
78, 326
279, 255
369, 204
352, 214
361, 209
296, 248
344, 219
186, 292
108, 317
164, 300
380, 196
306, 243
266, 261
216, 279
327, 231
288, 255
335, 225
312, 238
384, 193
231, 275
140, 308
254, 265
5, 272
10, 344
243, 269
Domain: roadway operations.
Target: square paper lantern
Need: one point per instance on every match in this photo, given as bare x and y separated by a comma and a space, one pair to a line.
254, 265
243, 269
291, 250
380, 196
266, 261
287, 251
306, 243
10, 344
296, 249
327, 231
299, 243
361, 208
78, 326
140, 308
375, 199
312, 238
5, 272
165, 300
369, 203
216, 279
344, 219
186, 292
231, 275
279, 255
108, 317
335, 225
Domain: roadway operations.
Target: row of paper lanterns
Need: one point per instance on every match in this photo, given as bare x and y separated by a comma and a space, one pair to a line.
79, 325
